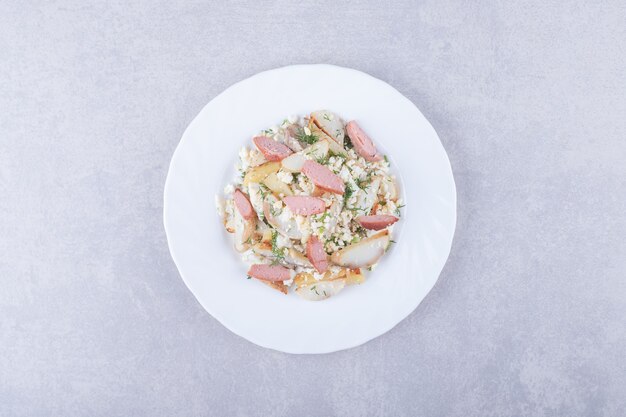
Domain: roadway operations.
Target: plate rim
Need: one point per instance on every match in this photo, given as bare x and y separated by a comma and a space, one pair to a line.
448, 168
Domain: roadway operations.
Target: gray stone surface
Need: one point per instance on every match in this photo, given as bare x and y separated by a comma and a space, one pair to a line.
529, 315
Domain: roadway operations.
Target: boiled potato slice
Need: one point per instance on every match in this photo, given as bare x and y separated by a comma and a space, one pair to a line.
354, 276
389, 186
277, 285
330, 123
303, 278
287, 226
367, 198
334, 146
321, 290
318, 150
243, 231
293, 163
277, 186
258, 174
364, 253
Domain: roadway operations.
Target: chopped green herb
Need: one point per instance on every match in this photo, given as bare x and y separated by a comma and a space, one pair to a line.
276, 251
347, 194
325, 295
325, 116
363, 182
313, 289
263, 190
274, 211
303, 137
249, 277
387, 160
323, 217
398, 210
322, 160
268, 132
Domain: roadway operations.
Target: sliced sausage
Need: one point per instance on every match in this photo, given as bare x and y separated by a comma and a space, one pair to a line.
243, 205
377, 222
269, 272
362, 143
316, 254
305, 205
271, 150
323, 177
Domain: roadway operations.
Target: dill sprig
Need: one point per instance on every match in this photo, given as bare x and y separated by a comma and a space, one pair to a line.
302, 136
347, 194
276, 251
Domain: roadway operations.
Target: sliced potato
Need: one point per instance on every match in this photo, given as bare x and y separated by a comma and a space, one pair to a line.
293, 163
333, 211
256, 197
277, 285
334, 146
277, 186
258, 174
364, 253
267, 235
303, 278
337, 149
318, 150
243, 231
292, 257
286, 226
229, 219
321, 290
330, 123
389, 186
296, 258
354, 276
368, 197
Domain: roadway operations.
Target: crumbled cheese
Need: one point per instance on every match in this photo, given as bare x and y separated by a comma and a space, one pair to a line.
285, 177
318, 276
283, 241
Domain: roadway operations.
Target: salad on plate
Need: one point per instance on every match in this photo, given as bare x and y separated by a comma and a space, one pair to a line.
313, 207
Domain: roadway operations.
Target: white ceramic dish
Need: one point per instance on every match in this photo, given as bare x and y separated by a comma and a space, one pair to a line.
202, 250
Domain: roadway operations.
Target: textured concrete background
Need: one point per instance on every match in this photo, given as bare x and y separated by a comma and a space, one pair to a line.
528, 317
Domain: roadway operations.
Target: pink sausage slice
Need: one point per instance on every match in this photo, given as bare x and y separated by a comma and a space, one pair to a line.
323, 177
316, 254
269, 272
305, 205
271, 150
377, 222
362, 143
243, 205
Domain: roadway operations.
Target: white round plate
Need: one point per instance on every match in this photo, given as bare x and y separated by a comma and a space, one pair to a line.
204, 162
